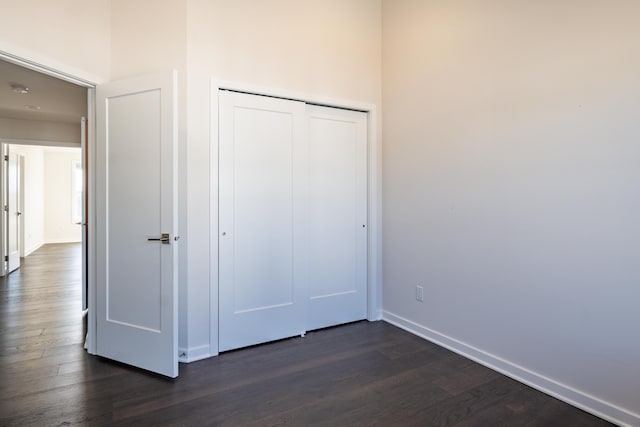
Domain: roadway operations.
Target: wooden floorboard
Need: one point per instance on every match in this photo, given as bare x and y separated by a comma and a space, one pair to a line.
362, 374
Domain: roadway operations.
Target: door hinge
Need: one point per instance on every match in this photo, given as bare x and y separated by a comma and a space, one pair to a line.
6, 208
6, 158
6, 257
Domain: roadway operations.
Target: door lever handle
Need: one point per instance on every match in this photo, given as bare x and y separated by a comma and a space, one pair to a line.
165, 239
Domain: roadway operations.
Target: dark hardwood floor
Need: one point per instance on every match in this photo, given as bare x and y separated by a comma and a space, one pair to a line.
365, 374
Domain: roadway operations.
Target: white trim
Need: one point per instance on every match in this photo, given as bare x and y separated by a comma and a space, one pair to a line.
3, 215
188, 355
55, 241
374, 260
546, 385
374, 246
213, 218
59, 71
43, 143
90, 220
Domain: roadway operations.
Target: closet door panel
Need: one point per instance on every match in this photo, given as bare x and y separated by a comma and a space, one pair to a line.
262, 243
337, 216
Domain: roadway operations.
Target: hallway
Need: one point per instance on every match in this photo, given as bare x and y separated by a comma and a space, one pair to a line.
41, 329
41, 307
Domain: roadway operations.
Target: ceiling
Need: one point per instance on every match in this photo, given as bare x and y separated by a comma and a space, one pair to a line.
51, 99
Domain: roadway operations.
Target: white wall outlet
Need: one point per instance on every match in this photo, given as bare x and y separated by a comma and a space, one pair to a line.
419, 293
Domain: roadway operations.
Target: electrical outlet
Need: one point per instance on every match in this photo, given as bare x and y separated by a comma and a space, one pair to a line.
419, 293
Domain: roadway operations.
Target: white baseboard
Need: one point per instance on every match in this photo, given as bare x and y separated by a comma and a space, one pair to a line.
188, 355
74, 240
546, 385
37, 246
32, 249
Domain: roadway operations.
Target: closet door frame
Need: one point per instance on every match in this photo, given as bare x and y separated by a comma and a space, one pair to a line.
374, 232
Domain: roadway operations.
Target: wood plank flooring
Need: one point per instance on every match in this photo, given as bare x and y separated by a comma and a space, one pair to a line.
363, 374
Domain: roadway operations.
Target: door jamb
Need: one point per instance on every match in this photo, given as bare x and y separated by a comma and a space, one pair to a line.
4, 249
374, 199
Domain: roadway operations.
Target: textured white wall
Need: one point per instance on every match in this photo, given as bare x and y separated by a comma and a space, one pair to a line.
511, 184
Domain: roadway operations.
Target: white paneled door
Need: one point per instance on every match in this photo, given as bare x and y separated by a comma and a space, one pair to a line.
337, 216
13, 212
293, 212
262, 209
136, 208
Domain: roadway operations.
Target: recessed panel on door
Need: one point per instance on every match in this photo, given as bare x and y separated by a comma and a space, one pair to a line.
134, 291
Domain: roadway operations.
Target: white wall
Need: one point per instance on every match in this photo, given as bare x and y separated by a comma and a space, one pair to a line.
58, 225
72, 36
40, 130
33, 196
511, 188
329, 48
162, 44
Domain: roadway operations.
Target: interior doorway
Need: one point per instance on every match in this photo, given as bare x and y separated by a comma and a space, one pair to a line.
141, 108
42, 125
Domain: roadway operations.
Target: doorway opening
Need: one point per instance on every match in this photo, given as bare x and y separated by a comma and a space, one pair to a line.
43, 133
121, 323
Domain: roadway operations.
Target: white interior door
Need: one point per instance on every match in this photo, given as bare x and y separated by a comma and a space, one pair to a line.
337, 217
136, 220
262, 208
13, 211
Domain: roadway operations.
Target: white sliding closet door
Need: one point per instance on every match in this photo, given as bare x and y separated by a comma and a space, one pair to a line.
262, 212
337, 216
293, 218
